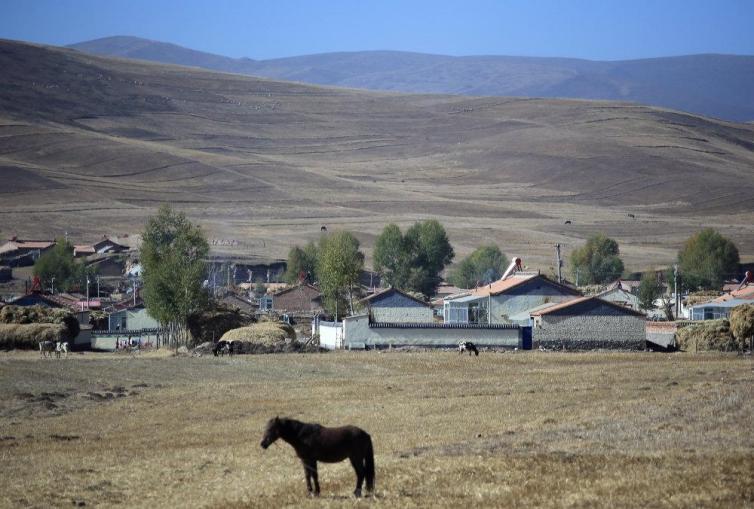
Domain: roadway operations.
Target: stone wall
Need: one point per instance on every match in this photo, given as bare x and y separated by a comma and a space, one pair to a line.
603, 327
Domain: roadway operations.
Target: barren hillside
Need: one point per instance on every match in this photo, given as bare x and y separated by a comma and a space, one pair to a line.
92, 145
720, 86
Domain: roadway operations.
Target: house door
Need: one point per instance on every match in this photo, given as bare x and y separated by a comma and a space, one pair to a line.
526, 338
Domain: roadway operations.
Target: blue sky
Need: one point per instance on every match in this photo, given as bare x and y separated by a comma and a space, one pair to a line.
592, 29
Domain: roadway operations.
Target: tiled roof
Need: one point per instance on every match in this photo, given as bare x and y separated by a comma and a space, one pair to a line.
573, 302
384, 293
503, 285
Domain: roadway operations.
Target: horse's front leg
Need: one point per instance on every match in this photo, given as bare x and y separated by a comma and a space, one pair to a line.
315, 476
308, 475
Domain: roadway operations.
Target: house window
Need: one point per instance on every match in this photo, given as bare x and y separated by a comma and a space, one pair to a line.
123, 323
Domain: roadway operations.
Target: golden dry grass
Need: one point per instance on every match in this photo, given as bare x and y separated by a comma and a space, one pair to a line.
518, 429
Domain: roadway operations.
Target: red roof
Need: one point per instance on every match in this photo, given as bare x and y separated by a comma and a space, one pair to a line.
503, 285
573, 302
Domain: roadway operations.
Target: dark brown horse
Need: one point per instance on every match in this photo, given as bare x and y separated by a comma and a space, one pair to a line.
314, 443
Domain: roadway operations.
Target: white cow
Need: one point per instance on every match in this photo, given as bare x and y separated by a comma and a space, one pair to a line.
61, 347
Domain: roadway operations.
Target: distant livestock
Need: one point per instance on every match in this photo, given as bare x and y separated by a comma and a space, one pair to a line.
61, 347
632, 216
568, 221
467, 346
46, 348
222, 348
323, 228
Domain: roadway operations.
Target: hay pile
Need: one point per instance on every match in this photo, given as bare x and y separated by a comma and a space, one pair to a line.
267, 337
210, 325
264, 333
37, 316
28, 336
742, 322
710, 335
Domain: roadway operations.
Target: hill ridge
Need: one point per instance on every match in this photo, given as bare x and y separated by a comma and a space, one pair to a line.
717, 85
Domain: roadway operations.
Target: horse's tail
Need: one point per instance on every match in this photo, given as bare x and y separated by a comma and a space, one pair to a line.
369, 463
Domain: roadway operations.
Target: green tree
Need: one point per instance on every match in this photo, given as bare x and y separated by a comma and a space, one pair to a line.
597, 262
650, 289
59, 263
338, 267
173, 254
706, 260
391, 257
301, 262
487, 263
415, 260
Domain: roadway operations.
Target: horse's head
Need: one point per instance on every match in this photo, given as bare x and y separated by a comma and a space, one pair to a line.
271, 432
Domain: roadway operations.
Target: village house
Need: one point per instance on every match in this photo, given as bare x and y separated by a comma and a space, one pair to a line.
506, 301
721, 307
108, 245
394, 306
586, 323
621, 294
393, 318
303, 298
22, 253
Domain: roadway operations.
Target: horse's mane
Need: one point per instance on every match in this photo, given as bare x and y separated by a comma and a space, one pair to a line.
298, 427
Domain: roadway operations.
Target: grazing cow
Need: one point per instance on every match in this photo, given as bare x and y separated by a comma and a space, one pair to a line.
46, 348
222, 347
467, 346
632, 216
568, 221
61, 347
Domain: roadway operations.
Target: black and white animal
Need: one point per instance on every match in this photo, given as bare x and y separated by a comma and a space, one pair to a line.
46, 348
467, 346
61, 347
222, 347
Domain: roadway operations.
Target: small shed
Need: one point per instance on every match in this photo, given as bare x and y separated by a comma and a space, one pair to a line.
587, 323
395, 306
303, 298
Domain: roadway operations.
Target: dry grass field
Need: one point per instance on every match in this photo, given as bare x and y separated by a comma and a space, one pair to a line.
92, 145
514, 429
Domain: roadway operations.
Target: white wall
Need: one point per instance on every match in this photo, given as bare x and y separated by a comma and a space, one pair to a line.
330, 334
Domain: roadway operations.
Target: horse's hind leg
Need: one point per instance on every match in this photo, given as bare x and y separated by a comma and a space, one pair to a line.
358, 466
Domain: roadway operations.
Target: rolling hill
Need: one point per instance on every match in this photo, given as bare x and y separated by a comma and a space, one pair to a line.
720, 86
92, 145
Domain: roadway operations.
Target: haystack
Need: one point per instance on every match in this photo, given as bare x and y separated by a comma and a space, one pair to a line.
262, 333
37, 315
27, 336
710, 335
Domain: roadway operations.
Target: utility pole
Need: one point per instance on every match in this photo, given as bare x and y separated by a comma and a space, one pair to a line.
87, 291
577, 276
53, 286
97, 287
677, 294
560, 264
